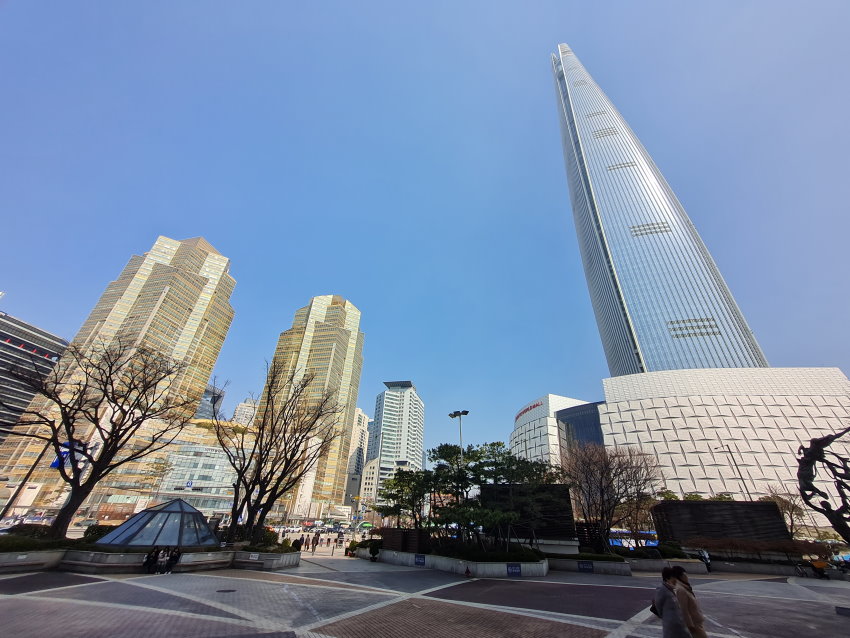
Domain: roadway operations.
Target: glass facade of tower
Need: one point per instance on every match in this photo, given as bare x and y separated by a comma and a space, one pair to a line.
325, 341
659, 299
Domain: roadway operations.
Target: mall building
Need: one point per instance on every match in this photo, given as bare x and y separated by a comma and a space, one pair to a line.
713, 430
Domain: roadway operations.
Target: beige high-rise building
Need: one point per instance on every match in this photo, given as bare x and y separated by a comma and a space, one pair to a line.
325, 341
357, 456
174, 299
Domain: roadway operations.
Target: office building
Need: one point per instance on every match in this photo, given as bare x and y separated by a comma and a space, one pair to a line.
537, 433
721, 430
325, 341
400, 424
357, 456
245, 412
173, 299
210, 404
26, 347
373, 435
659, 299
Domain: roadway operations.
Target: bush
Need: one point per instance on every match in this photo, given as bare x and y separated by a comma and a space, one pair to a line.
269, 537
30, 530
671, 551
96, 532
16, 543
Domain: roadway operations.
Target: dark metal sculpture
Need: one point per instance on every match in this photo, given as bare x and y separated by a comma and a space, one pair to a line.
838, 469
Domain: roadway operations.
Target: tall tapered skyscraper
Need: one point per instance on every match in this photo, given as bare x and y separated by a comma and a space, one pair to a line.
659, 299
325, 341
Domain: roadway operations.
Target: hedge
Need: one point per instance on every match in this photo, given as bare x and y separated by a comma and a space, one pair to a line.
96, 532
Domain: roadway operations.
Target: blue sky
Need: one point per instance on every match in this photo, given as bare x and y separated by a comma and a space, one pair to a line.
408, 158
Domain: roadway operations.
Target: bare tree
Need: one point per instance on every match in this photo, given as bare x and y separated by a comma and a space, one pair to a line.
790, 506
602, 480
99, 408
635, 514
294, 427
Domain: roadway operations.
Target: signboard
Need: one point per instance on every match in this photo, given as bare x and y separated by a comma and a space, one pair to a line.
419, 560
188, 483
514, 569
585, 566
253, 557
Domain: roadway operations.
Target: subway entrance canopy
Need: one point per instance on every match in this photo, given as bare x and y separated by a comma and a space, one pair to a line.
175, 523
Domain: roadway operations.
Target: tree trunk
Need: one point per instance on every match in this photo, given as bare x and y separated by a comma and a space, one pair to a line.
78, 494
258, 528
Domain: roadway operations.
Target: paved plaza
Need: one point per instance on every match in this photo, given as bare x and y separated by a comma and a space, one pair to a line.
349, 598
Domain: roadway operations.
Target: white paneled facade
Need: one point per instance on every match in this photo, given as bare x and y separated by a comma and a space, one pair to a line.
686, 417
536, 434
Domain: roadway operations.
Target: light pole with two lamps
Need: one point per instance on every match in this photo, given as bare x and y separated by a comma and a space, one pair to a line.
459, 414
728, 450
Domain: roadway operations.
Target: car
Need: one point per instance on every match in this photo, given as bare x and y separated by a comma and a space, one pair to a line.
86, 522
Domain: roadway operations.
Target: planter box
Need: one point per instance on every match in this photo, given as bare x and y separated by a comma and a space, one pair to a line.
104, 562
100, 562
560, 546
591, 566
754, 568
457, 566
266, 561
11, 562
657, 564
199, 561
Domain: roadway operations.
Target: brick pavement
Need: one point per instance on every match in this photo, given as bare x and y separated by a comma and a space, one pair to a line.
418, 617
333, 599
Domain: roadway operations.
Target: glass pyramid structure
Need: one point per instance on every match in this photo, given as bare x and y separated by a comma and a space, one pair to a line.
175, 523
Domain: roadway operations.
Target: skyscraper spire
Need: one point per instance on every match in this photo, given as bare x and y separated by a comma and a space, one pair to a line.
659, 299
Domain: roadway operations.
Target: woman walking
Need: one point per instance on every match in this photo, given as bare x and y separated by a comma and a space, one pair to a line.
688, 602
667, 607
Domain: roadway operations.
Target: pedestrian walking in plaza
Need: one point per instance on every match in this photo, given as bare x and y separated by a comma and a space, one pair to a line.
328, 544
173, 559
315, 542
297, 543
162, 560
705, 557
149, 566
667, 607
688, 603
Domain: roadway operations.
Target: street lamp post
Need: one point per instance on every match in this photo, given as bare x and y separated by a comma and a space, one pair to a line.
728, 450
459, 414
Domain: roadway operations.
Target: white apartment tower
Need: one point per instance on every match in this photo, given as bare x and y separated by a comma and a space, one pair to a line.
400, 426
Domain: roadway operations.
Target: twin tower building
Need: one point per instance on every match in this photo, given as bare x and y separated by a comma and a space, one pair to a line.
175, 299
689, 382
